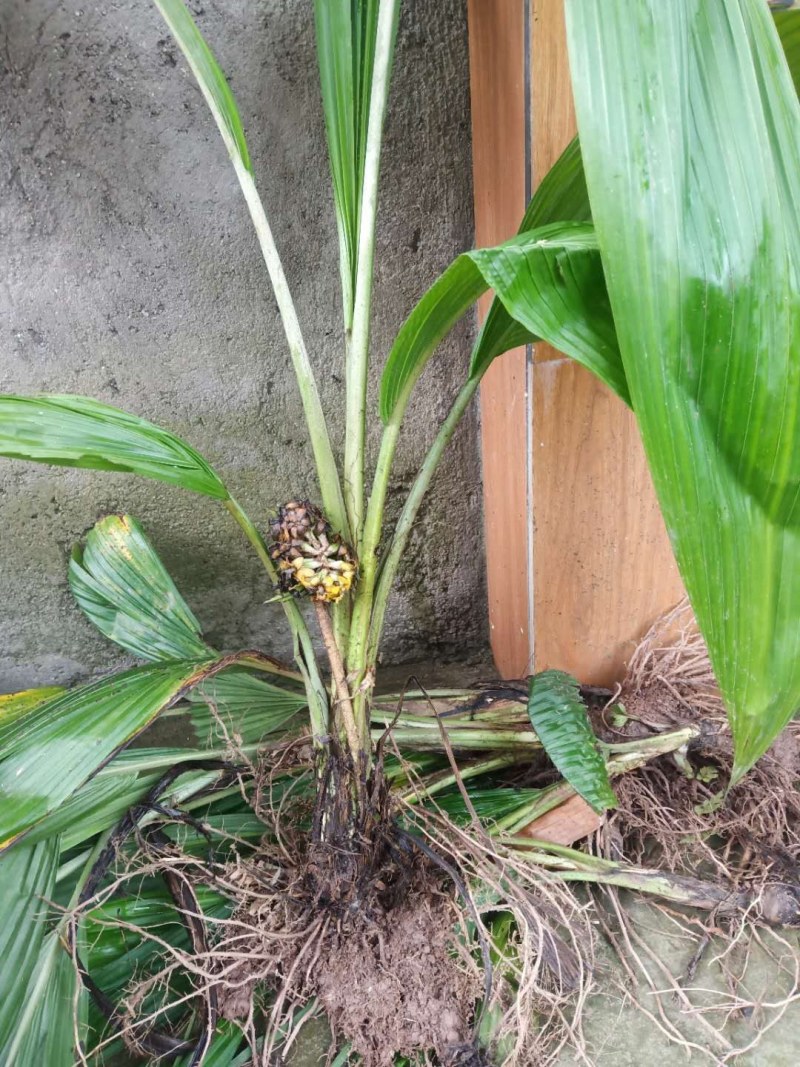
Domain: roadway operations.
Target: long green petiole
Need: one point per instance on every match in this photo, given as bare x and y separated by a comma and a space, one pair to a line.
367, 628
327, 471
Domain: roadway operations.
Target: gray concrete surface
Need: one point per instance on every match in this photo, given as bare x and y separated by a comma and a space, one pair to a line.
740, 1008
130, 273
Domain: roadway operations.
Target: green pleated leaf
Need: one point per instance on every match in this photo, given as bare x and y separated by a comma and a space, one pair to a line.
346, 32
48, 754
74, 431
96, 806
558, 292
209, 77
559, 717
550, 280
27, 879
690, 135
489, 804
44, 1031
121, 585
241, 705
15, 705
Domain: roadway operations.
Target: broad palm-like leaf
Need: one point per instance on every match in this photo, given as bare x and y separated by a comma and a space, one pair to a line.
690, 136
123, 587
27, 878
549, 280
559, 717
97, 805
47, 754
74, 431
241, 705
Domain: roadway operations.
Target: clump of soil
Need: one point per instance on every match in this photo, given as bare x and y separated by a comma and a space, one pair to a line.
392, 977
397, 987
400, 961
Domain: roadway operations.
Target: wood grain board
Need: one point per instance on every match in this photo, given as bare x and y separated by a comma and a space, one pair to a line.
497, 69
578, 561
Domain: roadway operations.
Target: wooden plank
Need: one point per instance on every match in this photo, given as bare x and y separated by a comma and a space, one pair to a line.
497, 78
569, 822
603, 569
553, 122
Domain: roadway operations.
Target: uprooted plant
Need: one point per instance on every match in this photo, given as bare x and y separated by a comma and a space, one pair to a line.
219, 897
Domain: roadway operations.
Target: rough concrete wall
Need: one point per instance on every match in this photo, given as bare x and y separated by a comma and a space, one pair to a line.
130, 274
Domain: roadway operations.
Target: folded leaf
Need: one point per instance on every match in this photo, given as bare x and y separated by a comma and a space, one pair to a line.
559, 293
121, 585
559, 717
561, 196
74, 431
690, 136
27, 879
549, 280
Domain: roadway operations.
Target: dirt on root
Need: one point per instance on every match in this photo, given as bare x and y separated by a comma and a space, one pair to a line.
393, 973
678, 813
396, 986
